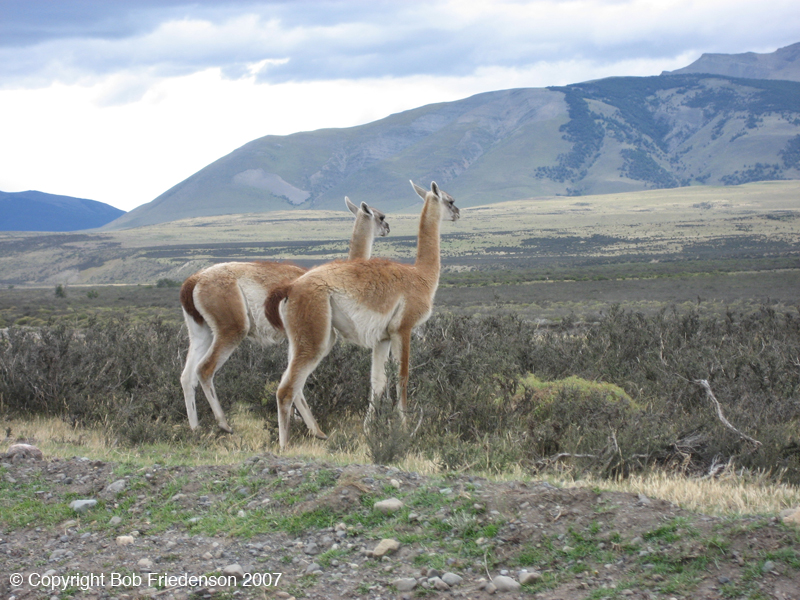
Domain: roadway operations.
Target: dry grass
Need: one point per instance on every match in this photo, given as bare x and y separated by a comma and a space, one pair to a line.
728, 494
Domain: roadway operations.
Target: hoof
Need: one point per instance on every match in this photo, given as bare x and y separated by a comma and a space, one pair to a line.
226, 428
320, 436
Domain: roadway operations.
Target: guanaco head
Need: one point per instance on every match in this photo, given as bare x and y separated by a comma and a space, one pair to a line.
450, 211
379, 224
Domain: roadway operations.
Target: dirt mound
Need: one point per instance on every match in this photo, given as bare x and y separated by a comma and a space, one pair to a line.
276, 527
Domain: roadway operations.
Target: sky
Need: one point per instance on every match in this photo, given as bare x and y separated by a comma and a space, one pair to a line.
119, 100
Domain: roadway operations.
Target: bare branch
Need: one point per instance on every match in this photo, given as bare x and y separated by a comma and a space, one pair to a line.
707, 387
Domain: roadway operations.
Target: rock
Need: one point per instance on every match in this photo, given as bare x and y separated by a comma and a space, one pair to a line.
20, 451
112, 489
313, 568
115, 521
643, 501
389, 506
503, 583
395, 483
145, 564
529, 577
235, 570
311, 548
385, 547
451, 579
791, 516
431, 573
125, 540
438, 584
768, 566
59, 554
82, 506
405, 584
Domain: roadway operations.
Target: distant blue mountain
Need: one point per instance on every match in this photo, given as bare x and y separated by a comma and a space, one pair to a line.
37, 211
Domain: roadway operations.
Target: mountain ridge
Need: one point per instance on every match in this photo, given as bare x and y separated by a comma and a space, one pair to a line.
784, 63
39, 211
611, 135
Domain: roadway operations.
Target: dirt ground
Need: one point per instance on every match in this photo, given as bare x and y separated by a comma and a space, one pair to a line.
152, 530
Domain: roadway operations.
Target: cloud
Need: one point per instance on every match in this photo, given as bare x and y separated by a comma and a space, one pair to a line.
120, 100
328, 40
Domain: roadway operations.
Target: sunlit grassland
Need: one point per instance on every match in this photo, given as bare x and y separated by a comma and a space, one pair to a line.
677, 224
730, 494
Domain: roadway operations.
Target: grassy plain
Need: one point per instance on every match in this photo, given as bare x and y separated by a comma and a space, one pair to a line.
547, 258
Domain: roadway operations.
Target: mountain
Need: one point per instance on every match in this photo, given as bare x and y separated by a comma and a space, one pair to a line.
612, 135
784, 63
37, 211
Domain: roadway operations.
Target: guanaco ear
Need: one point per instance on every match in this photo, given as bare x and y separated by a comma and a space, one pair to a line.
353, 208
420, 191
435, 188
366, 208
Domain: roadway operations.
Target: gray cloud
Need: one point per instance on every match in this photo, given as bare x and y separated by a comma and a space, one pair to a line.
77, 40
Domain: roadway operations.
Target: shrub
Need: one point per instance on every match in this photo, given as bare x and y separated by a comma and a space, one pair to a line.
488, 392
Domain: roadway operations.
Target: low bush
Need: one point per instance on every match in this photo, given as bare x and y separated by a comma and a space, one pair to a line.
486, 392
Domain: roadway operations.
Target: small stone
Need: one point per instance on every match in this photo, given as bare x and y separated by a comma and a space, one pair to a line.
59, 554
643, 500
235, 570
723, 580
125, 540
438, 584
791, 516
768, 566
529, 577
431, 573
311, 548
112, 489
502, 583
451, 579
82, 506
17, 451
385, 547
68, 524
145, 564
313, 568
388, 506
405, 584
395, 483
115, 520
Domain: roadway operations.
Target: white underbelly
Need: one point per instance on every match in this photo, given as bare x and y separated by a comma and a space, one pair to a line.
361, 325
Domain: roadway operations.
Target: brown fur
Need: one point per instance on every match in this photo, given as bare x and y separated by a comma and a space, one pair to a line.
375, 303
187, 299
224, 304
271, 306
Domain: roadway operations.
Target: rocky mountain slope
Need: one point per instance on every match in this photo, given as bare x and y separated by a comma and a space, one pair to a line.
613, 135
37, 211
784, 63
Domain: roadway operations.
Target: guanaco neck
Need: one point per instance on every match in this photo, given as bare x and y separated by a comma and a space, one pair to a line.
362, 238
428, 257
